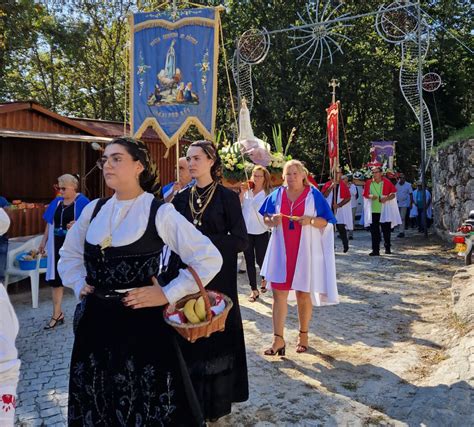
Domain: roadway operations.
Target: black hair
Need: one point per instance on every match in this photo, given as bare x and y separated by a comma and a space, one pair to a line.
211, 152
149, 177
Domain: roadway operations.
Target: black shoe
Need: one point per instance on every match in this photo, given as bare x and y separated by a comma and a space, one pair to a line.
388, 251
55, 321
346, 248
242, 271
401, 235
374, 254
351, 238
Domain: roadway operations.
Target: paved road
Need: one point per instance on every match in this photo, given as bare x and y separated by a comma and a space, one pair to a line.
390, 354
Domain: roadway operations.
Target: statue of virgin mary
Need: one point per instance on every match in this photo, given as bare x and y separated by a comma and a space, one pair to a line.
170, 64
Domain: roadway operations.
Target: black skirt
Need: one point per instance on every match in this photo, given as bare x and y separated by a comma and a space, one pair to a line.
123, 374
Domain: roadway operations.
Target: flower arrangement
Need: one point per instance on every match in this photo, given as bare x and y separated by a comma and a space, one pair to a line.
234, 165
238, 165
280, 156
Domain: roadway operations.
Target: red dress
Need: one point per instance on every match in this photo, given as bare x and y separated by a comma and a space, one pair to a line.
291, 236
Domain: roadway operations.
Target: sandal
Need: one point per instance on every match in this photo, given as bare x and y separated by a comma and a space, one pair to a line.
263, 286
253, 296
280, 351
300, 348
56, 321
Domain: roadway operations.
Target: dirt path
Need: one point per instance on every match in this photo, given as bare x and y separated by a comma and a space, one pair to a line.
375, 358
390, 353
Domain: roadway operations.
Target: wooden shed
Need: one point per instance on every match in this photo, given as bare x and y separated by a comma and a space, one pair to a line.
38, 145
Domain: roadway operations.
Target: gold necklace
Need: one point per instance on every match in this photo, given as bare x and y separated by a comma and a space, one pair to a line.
207, 196
204, 195
107, 242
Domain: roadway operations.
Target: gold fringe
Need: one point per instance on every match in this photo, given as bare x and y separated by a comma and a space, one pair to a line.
205, 22
151, 121
132, 74
169, 142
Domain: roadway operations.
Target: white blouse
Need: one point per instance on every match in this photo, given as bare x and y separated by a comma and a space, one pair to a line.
9, 362
4, 222
128, 220
251, 204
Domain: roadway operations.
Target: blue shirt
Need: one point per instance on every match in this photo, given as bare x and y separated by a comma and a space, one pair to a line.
3, 202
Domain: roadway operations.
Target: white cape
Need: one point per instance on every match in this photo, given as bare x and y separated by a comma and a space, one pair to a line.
344, 214
316, 264
390, 213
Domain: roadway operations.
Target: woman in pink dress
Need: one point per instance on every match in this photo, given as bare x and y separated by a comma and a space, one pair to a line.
300, 255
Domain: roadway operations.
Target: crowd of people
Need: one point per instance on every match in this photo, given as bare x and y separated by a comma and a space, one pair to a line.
126, 257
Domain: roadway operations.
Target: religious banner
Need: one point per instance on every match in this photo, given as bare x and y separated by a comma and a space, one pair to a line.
383, 152
333, 134
173, 63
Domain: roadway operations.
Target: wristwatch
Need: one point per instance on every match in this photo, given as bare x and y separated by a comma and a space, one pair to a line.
312, 221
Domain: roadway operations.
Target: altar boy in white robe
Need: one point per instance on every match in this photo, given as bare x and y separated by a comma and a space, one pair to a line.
341, 206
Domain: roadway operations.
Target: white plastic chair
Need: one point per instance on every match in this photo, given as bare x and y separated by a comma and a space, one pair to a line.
13, 273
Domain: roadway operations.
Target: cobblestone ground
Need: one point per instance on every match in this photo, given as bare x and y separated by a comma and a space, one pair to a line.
390, 353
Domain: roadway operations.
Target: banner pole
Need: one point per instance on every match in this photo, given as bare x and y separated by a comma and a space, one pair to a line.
177, 160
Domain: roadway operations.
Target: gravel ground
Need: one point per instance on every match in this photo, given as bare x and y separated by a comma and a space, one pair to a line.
391, 353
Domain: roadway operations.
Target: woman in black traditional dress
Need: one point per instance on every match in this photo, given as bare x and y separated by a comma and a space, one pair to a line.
217, 365
126, 368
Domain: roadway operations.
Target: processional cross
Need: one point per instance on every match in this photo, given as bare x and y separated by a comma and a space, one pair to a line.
334, 84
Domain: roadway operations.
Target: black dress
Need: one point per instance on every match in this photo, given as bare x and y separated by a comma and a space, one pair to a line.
126, 367
218, 364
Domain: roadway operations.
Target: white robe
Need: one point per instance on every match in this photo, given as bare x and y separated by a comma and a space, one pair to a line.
9, 362
315, 270
389, 213
343, 214
4, 222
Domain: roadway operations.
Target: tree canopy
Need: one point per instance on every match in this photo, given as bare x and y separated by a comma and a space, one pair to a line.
72, 58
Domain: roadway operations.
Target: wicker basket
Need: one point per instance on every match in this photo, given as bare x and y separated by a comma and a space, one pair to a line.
193, 331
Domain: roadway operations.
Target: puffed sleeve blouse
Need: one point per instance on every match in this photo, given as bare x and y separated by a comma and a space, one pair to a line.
128, 219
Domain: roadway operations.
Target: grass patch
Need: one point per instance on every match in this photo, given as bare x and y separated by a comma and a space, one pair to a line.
461, 327
460, 135
373, 420
352, 386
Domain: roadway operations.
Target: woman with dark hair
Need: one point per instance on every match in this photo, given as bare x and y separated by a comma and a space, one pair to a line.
126, 368
217, 365
61, 214
252, 196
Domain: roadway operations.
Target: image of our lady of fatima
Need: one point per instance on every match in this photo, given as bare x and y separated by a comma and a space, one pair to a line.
170, 86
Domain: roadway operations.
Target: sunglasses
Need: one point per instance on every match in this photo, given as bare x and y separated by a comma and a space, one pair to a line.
58, 188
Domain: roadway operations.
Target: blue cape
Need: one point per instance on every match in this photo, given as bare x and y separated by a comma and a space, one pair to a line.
81, 202
322, 207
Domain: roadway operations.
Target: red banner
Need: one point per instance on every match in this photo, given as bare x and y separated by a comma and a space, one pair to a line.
333, 133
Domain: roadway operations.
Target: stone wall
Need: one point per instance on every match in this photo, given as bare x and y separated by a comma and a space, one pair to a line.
453, 186
462, 293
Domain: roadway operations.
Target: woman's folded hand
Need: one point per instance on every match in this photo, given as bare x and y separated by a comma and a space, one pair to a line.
147, 296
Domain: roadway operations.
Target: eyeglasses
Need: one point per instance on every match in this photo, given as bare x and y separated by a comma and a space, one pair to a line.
113, 161
58, 188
